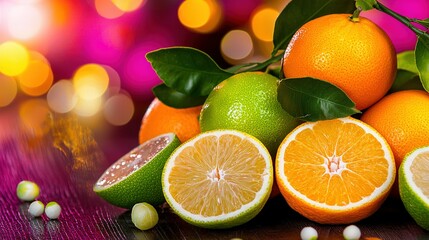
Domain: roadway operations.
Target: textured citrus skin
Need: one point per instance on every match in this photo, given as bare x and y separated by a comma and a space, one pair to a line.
144, 185
248, 102
403, 119
417, 207
160, 118
357, 57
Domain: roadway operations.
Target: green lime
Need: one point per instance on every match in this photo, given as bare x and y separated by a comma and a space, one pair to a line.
136, 176
414, 185
248, 102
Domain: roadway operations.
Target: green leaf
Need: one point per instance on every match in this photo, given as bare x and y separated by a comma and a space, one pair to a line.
406, 80
298, 12
422, 59
173, 98
187, 70
276, 72
407, 61
424, 22
312, 99
365, 5
407, 75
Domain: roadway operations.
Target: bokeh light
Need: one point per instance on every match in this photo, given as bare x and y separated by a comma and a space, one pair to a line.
87, 107
263, 22
38, 77
236, 45
35, 116
107, 9
14, 58
8, 90
128, 5
24, 21
61, 97
62, 12
89, 57
200, 15
114, 80
37, 72
90, 81
119, 109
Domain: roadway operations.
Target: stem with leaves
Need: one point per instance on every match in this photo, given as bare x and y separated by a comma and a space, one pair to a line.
405, 20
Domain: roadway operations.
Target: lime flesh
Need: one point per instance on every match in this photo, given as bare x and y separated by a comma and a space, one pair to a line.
414, 185
136, 176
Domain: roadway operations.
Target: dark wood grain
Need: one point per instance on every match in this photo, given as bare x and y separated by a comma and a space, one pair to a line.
65, 157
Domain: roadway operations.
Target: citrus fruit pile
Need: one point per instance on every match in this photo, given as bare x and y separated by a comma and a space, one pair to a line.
241, 145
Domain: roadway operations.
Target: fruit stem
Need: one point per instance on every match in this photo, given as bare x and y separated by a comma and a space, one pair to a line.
400, 18
260, 65
356, 13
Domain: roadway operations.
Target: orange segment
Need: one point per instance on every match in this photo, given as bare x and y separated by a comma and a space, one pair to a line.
330, 170
216, 176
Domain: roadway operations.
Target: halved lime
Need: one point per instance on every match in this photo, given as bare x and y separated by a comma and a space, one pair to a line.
136, 176
414, 185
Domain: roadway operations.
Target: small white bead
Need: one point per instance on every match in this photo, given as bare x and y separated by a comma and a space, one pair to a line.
309, 233
52, 210
36, 208
351, 232
27, 190
144, 216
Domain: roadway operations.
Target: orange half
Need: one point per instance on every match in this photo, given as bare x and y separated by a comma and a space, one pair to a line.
335, 171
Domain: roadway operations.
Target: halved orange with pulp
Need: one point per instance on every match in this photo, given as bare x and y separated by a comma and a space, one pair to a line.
335, 171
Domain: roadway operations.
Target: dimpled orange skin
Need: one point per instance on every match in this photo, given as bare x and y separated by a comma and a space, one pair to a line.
160, 118
402, 118
358, 57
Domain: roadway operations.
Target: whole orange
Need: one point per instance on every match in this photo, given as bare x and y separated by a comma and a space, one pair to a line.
160, 118
356, 56
402, 118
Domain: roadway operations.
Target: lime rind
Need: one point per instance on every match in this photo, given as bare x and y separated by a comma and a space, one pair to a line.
415, 201
232, 219
247, 102
143, 184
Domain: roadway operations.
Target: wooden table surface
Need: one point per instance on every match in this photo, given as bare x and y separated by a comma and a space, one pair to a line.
65, 156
